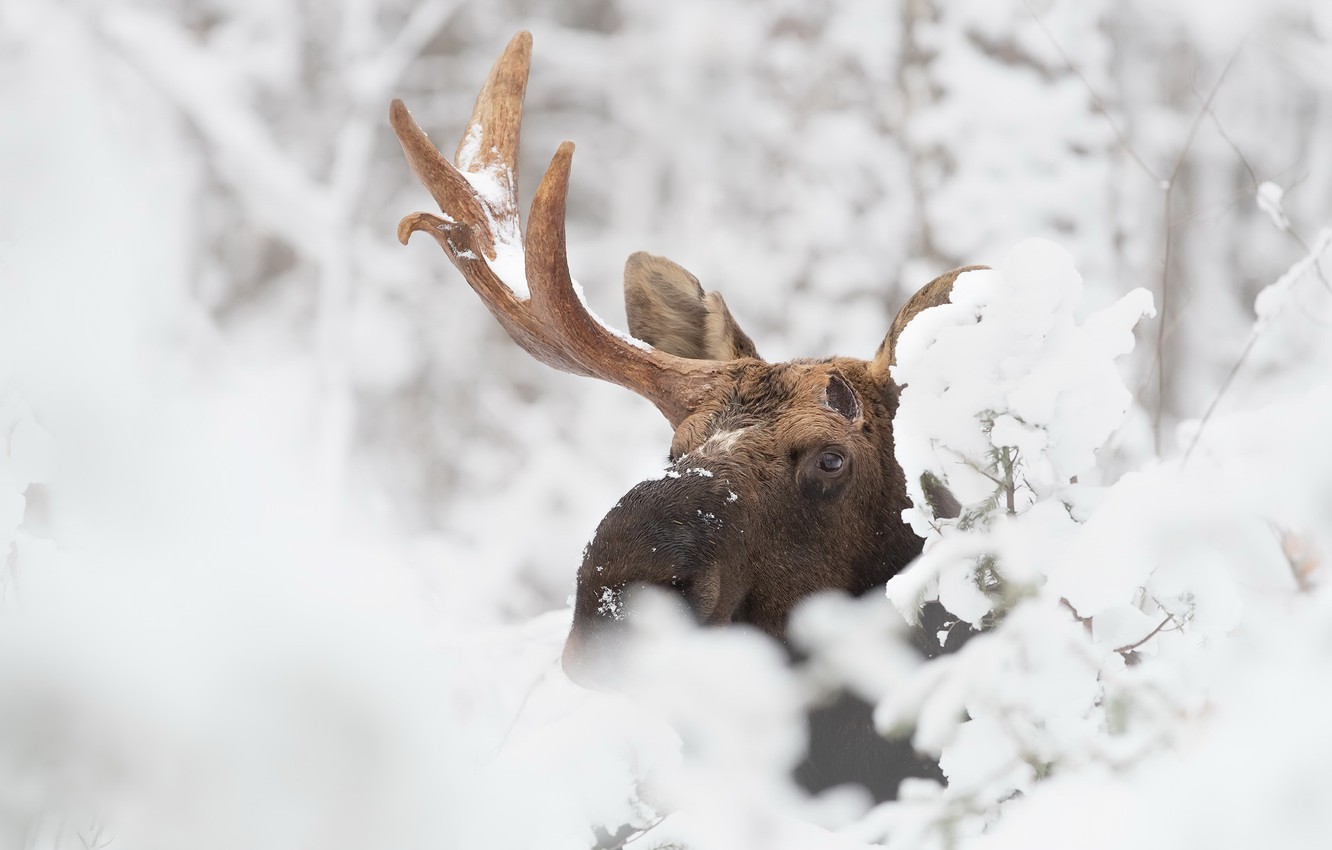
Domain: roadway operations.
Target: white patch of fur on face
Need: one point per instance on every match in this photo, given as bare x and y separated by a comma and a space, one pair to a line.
721, 442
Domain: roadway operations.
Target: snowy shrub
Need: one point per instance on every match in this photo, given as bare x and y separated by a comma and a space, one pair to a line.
1115, 619
287, 523
1006, 397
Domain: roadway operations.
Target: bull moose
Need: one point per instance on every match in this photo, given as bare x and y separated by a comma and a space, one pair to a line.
782, 479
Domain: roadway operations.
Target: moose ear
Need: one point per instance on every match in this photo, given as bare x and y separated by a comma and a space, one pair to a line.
668, 310
932, 294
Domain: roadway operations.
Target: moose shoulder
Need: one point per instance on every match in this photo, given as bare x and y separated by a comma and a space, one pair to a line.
782, 478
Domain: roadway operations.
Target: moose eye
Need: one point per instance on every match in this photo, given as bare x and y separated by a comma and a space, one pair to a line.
825, 473
831, 462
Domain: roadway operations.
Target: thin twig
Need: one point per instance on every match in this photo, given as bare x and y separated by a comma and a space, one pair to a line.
1255, 183
1169, 618
1169, 240
1091, 92
1294, 274
1244, 160
1010, 461
1318, 261
633, 834
1220, 393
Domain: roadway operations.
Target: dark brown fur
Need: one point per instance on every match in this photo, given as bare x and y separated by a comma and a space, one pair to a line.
745, 524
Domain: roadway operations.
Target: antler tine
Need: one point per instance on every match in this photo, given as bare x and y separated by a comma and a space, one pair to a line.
449, 188
674, 384
487, 154
586, 341
545, 255
491, 139
463, 232
479, 199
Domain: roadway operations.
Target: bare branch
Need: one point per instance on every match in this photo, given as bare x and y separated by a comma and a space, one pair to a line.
1169, 618
1169, 186
1091, 92
1293, 275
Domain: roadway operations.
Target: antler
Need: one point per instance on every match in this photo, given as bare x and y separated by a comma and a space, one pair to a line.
526, 284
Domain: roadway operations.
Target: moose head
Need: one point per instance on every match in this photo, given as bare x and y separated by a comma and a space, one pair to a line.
782, 479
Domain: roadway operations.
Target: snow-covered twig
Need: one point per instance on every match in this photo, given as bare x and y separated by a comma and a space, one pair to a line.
1268, 304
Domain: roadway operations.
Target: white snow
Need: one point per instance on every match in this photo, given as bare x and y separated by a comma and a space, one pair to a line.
469, 157
1269, 197
1181, 570
495, 187
1007, 364
611, 603
582, 299
287, 523
1274, 297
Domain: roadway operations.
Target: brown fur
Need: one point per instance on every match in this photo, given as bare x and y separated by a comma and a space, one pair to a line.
668, 309
783, 480
761, 527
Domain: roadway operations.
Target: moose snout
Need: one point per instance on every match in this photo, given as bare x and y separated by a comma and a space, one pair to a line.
661, 537
589, 659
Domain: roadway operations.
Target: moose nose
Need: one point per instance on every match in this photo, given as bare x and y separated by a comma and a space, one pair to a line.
588, 661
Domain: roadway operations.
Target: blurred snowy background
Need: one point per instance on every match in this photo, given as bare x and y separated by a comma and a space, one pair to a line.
262, 461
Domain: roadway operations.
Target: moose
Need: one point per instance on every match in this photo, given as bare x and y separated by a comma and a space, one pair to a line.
782, 479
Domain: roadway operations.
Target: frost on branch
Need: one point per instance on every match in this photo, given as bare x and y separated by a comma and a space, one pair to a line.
1127, 630
1275, 296
1007, 396
1269, 197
